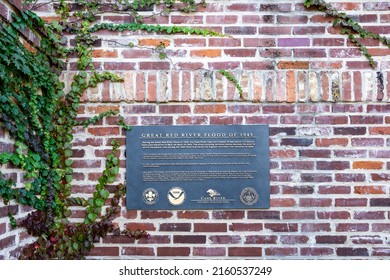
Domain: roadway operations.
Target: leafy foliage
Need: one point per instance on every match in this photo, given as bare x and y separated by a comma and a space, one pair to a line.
349, 27
39, 116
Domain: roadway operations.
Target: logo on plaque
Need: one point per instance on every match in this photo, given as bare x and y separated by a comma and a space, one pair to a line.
249, 196
176, 196
213, 193
150, 196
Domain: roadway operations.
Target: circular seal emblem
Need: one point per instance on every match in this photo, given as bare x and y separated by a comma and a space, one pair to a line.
249, 196
176, 196
150, 196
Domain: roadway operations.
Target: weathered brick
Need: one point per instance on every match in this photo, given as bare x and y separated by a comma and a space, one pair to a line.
209, 251
244, 252
332, 165
369, 190
315, 227
298, 190
225, 239
282, 252
175, 227
318, 153
282, 227
350, 202
334, 189
138, 251
380, 202
317, 251
348, 227
333, 215
173, 251
352, 252
315, 202
245, 227
369, 215
150, 214
261, 239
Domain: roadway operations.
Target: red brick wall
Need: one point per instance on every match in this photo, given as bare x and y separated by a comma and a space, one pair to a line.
328, 113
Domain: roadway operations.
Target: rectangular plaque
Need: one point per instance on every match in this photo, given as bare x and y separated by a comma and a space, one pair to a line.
198, 167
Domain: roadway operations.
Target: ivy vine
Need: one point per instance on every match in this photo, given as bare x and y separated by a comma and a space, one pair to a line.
39, 116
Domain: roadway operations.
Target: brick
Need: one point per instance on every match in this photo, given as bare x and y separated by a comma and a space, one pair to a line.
241, 7
173, 251
298, 215
380, 202
175, 227
331, 239
257, 19
282, 130
192, 215
273, 30
98, 53
366, 119
105, 251
320, 42
157, 120
7, 242
141, 226
3, 228
380, 177
315, 227
318, 153
137, 251
155, 239
379, 130
369, 215
382, 108
282, 202
258, 42
294, 239
154, 65
298, 165
281, 7
242, 53
225, 239
334, 215
261, 239
177, 19
104, 131
309, 30
298, 190
376, 227
332, 165
293, 42
315, 177
297, 142
315, 202
288, 153
348, 227
243, 109
317, 251
206, 53
334, 190
245, 227
244, 252
5, 210
174, 109
367, 165
210, 109
352, 252
226, 120
88, 163
150, 214
189, 239
350, 202
240, 30
265, 215
227, 215
293, 65
369, 142
381, 252
119, 66
282, 227
366, 239
209, 251
335, 120
223, 19
192, 120
350, 177
190, 42
285, 251
225, 65
205, 227
369, 190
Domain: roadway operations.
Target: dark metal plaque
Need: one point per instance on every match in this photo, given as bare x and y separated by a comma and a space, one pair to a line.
197, 167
